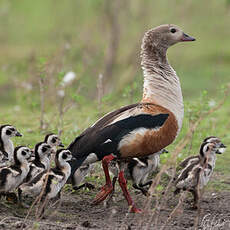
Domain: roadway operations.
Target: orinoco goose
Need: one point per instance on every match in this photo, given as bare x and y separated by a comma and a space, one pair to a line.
141, 129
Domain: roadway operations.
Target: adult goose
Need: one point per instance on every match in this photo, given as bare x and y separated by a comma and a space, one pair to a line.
140, 129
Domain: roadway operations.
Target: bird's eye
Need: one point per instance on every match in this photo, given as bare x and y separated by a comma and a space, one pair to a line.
53, 140
64, 156
44, 149
24, 153
8, 132
173, 30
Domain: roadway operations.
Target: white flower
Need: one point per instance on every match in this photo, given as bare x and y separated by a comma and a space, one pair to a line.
211, 103
75, 128
67, 46
27, 86
68, 78
17, 108
61, 93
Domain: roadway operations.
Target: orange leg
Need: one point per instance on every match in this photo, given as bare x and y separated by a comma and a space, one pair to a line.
123, 184
108, 187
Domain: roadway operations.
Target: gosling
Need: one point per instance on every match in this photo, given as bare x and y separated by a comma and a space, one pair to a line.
52, 181
138, 170
12, 176
6, 144
41, 161
196, 175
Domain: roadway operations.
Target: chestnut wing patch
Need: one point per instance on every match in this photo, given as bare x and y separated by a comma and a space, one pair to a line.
104, 140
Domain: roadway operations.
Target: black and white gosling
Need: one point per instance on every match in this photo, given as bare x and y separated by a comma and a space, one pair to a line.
12, 176
195, 158
57, 178
40, 162
6, 144
196, 175
138, 170
80, 175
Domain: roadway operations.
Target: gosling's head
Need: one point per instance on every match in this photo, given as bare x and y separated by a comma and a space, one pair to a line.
215, 140
41, 150
22, 154
53, 140
208, 149
62, 156
8, 131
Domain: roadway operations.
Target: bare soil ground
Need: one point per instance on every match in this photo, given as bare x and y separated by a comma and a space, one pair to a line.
76, 212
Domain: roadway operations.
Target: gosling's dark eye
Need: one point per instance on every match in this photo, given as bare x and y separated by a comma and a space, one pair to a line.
64, 156
53, 140
44, 149
24, 153
8, 132
173, 30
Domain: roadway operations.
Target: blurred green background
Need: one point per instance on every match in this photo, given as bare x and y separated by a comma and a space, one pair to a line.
97, 36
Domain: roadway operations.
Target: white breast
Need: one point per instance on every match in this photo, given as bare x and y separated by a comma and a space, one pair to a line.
14, 179
9, 148
46, 162
81, 173
206, 172
59, 181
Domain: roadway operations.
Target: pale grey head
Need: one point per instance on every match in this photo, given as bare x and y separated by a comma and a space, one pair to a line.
215, 140
164, 36
207, 149
41, 150
62, 156
8, 131
22, 154
53, 140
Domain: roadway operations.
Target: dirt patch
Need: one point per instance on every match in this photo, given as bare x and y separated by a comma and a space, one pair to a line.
76, 212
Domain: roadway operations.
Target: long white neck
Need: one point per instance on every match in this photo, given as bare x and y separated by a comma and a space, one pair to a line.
65, 167
25, 166
8, 147
211, 159
161, 84
46, 161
